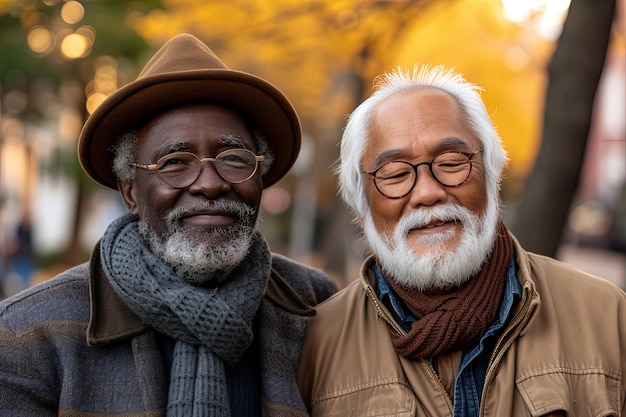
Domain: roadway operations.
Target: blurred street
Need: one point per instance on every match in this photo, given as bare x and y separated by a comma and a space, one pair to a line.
605, 264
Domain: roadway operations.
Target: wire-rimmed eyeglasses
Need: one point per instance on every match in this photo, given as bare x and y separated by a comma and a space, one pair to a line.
396, 179
181, 169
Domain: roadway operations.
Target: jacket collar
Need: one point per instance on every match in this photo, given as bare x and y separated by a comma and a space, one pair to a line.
531, 301
112, 320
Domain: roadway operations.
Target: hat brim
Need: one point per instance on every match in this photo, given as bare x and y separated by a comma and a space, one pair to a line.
258, 101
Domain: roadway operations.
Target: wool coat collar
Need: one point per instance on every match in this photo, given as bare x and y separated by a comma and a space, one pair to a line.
112, 320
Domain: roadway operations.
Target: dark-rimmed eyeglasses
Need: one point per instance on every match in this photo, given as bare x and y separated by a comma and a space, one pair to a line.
181, 169
397, 178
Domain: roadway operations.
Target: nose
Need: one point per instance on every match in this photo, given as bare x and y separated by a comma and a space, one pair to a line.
209, 182
427, 191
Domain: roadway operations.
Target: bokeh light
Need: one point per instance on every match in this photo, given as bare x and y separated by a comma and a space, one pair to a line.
74, 46
103, 84
276, 200
72, 12
39, 39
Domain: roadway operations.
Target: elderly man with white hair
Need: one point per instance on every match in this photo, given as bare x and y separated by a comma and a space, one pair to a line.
450, 315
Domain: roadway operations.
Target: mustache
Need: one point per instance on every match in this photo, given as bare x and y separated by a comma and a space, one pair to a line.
423, 217
234, 208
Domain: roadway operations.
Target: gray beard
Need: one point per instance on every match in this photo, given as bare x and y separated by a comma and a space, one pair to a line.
437, 268
194, 259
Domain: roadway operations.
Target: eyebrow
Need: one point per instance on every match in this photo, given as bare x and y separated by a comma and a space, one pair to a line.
232, 140
390, 154
174, 146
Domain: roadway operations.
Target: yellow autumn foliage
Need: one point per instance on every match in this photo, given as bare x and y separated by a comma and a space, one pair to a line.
309, 48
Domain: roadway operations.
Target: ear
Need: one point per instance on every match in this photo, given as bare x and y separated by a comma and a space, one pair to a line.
127, 191
360, 221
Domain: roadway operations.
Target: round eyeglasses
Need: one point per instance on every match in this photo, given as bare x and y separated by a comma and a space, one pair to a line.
181, 169
397, 178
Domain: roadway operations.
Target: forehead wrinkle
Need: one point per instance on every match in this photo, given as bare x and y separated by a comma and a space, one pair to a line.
450, 142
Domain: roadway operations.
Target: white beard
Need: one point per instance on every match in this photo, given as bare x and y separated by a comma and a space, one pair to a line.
437, 268
193, 259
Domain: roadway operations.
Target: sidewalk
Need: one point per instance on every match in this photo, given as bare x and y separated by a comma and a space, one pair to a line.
605, 264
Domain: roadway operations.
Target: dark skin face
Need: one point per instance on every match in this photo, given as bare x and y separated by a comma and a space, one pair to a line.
203, 129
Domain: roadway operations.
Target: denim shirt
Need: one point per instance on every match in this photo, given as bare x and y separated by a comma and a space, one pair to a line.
470, 380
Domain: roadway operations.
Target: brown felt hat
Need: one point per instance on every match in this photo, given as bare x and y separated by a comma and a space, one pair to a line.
186, 70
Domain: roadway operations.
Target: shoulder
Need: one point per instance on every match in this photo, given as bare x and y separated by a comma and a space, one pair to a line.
291, 269
341, 315
554, 276
312, 284
64, 298
573, 297
345, 299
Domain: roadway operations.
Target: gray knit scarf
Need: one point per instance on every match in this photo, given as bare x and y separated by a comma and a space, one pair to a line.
212, 327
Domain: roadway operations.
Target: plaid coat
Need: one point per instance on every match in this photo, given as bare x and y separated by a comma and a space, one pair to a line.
70, 347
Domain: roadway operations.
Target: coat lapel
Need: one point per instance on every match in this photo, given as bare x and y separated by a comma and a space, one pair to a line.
284, 322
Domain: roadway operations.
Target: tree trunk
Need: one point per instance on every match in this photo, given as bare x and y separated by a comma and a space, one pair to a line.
573, 76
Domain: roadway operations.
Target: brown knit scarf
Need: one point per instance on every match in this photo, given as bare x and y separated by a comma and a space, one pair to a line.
455, 319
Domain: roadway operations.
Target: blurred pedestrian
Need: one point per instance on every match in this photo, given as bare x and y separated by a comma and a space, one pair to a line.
22, 254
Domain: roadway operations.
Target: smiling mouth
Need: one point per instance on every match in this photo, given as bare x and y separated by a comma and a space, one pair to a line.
437, 224
211, 219
208, 213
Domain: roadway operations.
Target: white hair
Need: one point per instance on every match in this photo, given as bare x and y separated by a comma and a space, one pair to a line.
467, 95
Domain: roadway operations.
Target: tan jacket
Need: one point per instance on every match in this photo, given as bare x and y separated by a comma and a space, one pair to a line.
563, 353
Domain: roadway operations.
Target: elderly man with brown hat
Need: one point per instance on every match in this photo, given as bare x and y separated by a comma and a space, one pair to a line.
182, 310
